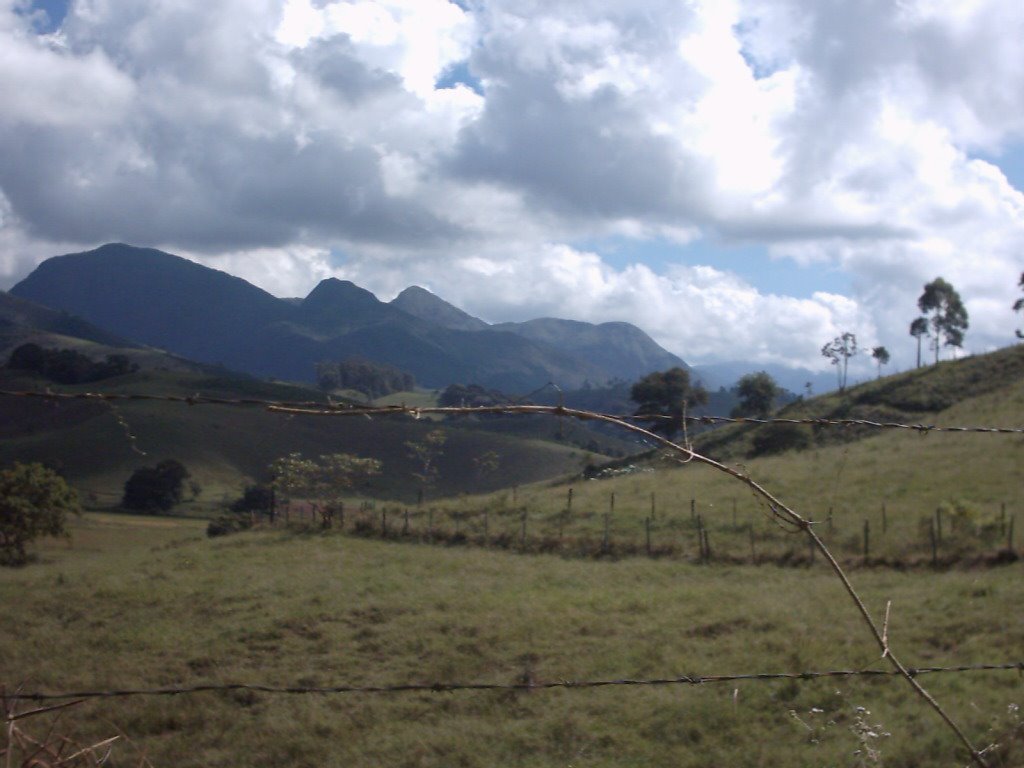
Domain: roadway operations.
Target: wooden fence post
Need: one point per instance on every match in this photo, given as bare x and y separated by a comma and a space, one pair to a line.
568, 502
938, 524
522, 535
934, 541
384, 522
693, 509
1009, 533
830, 519
611, 504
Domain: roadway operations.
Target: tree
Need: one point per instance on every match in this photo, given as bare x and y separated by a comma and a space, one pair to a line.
881, 355
757, 393
322, 482
426, 454
670, 394
155, 489
919, 328
948, 314
1018, 305
34, 501
839, 351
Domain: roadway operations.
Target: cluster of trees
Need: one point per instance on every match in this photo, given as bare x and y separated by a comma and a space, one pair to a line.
34, 501
944, 318
322, 482
66, 366
371, 378
471, 396
157, 489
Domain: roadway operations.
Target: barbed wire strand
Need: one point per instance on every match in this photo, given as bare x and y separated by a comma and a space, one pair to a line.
344, 409
778, 507
449, 687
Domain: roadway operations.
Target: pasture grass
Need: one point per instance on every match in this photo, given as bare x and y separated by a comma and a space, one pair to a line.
151, 602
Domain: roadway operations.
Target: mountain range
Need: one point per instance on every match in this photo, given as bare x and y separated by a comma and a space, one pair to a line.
169, 302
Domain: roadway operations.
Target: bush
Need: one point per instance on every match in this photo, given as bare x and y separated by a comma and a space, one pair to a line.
34, 501
155, 489
778, 438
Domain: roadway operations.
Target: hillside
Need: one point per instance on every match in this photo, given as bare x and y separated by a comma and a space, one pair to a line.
97, 446
913, 397
206, 315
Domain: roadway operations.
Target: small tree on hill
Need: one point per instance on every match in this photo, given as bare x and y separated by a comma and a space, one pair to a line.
670, 394
919, 328
948, 315
757, 393
839, 351
34, 501
1018, 305
881, 355
155, 489
426, 453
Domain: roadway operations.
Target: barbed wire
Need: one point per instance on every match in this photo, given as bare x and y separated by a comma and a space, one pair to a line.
318, 408
528, 685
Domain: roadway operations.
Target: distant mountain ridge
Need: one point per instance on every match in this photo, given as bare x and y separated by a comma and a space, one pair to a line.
201, 313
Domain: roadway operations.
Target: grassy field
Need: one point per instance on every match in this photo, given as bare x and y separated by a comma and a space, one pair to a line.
974, 480
151, 602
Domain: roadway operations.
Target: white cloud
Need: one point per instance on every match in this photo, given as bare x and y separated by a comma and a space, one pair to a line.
288, 140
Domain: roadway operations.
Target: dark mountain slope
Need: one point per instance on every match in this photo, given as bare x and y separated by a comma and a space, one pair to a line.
621, 348
421, 303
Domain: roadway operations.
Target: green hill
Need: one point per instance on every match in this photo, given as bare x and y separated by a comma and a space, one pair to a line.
97, 445
890, 481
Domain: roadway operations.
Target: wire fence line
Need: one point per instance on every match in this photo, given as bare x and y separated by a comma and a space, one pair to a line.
317, 408
527, 685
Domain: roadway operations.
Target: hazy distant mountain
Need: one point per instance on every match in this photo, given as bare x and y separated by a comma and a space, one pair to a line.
207, 315
421, 303
794, 379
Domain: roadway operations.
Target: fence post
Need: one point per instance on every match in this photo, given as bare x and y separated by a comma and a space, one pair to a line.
830, 519
938, 524
693, 509
568, 502
384, 522
522, 535
652, 505
405, 523
647, 531
1009, 533
611, 504
487, 528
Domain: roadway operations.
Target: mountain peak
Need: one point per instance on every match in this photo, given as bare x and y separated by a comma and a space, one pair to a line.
332, 290
421, 303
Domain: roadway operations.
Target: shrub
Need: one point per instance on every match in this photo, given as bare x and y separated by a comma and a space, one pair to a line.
34, 501
778, 438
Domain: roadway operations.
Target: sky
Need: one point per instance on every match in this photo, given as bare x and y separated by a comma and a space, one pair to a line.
743, 179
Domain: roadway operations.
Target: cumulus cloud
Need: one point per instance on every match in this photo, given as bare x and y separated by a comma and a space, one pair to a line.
287, 140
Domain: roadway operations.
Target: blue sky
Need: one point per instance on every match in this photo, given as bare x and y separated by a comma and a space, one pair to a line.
740, 180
